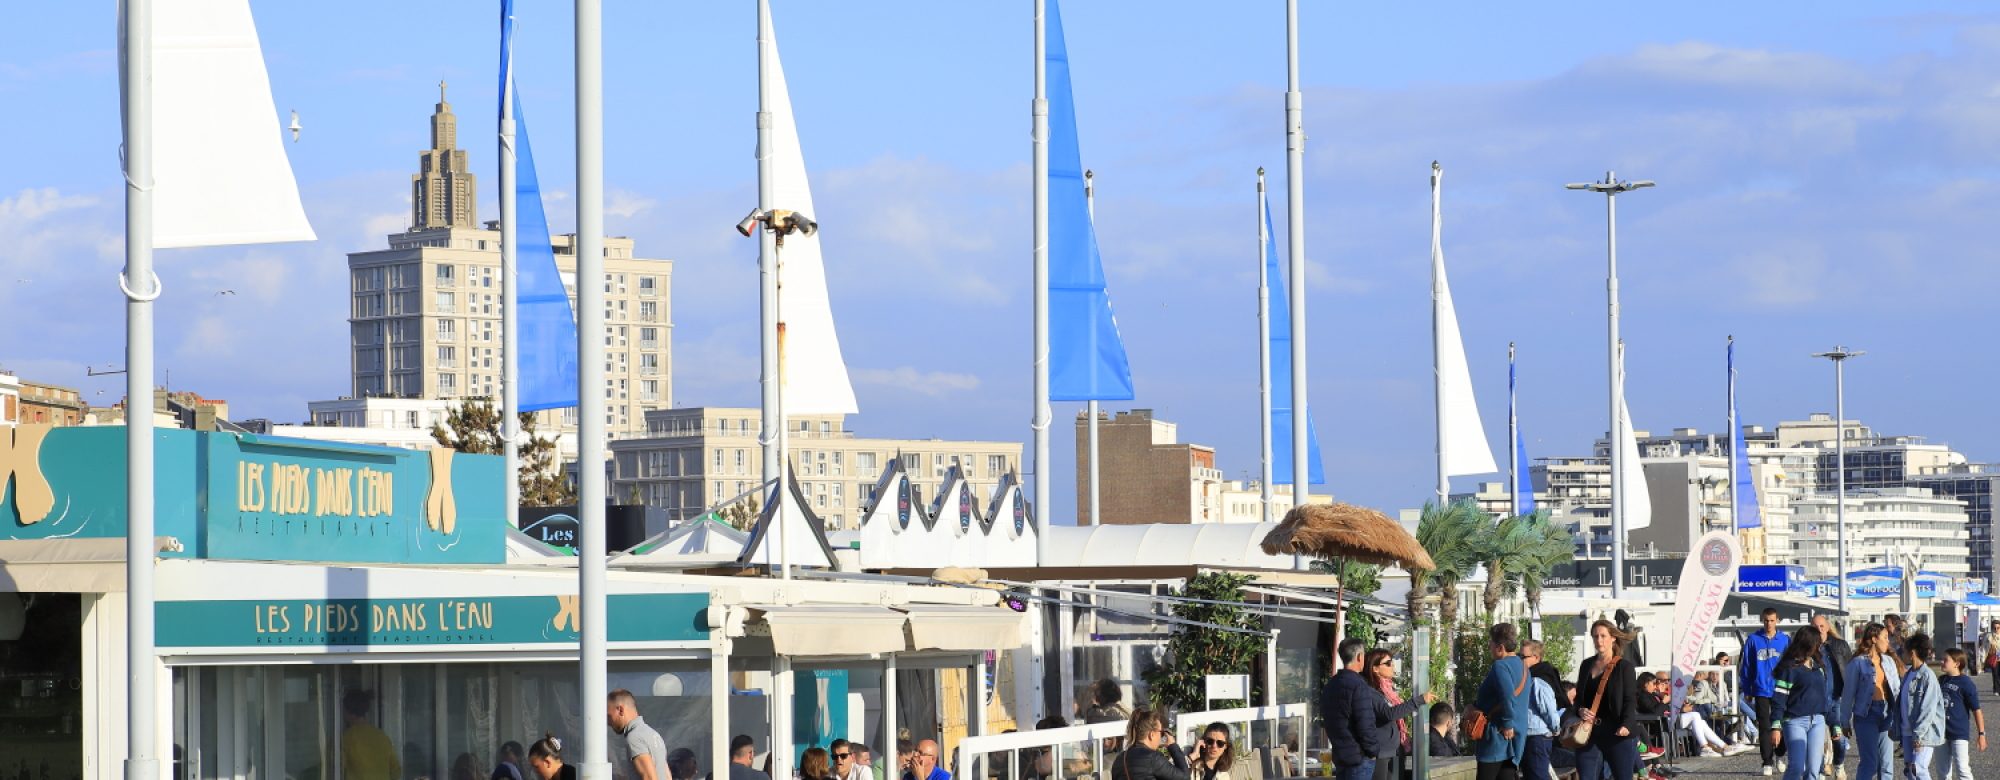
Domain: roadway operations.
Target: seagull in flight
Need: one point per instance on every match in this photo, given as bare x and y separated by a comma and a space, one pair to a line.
225, 292
295, 128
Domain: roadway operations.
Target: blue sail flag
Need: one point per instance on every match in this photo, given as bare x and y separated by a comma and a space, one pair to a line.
1281, 373
1748, 513
1524, 483
1087, 359
545, 325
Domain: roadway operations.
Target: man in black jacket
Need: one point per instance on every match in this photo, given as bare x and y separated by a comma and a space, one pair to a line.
1541, 669
1353, 711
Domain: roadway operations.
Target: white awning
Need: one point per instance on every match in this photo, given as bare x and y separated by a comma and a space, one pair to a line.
68, 565
963, 628
833, 630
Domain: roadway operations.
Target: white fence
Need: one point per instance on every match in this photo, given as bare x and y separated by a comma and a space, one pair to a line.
1274, 735
1082, 750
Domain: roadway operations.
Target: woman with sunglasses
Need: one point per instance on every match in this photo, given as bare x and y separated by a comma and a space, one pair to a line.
1150, 752
1380, 669
1214, 754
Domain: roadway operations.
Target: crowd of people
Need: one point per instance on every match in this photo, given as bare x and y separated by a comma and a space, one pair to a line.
1805, 699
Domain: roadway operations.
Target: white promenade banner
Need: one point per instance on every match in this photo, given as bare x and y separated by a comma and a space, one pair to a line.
1706, 580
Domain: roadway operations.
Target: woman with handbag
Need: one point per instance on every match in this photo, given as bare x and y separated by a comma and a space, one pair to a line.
1872, 685
1604, 730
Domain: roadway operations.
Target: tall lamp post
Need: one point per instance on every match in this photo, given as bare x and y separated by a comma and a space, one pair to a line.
776, 224
1611, 187
1839, 356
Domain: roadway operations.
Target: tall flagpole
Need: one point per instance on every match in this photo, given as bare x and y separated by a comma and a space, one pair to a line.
510, 293
1735, 521
142, 689
1040, 424
1090, 208
1264, 344
1513, 439
1437, 332
596, 764
1295, 228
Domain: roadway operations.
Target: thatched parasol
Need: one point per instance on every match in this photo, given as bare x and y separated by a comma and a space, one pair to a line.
1334, 531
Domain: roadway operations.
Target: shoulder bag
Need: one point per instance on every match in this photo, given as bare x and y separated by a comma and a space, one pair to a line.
1475, 721
1576, 733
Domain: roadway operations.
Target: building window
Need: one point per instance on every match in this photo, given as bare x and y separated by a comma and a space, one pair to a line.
837, 457
649, 311
995, 466
649, 286
825, 427
739, 462
447, 383
649, 389
649, 363
447, 275
447, 330
864, 464
447, 303
447, 357
822, 463
649, 338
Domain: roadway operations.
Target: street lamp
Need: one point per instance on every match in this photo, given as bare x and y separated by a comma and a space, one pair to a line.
1839, 356
779, 223
1612, 187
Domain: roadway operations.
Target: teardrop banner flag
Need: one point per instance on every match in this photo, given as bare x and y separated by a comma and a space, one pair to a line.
1706, 580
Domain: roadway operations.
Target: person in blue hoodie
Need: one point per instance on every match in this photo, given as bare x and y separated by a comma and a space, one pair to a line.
1870, 699
1760, 659
1803, 702
1921, 710
1503, 698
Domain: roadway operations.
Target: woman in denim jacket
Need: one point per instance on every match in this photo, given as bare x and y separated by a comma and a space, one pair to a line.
1921, 710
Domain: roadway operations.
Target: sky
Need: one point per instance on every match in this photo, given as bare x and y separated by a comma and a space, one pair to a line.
1825, 174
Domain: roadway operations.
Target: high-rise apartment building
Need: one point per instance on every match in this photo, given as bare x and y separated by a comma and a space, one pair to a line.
1149, 475
695, 459
425, 317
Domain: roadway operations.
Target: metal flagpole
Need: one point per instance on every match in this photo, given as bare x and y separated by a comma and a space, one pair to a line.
1735, 520
1839, 356
1295, 228
1264, 344
1437, 331
770, 340
142, 697
1090, 207
596, 764
510, 293
1513, 439
1040, 421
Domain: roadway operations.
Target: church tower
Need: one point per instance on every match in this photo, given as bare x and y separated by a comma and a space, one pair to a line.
444, 190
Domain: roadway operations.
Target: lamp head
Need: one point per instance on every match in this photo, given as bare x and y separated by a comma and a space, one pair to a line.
1639, 185
1577, 185
749, 223
789, 222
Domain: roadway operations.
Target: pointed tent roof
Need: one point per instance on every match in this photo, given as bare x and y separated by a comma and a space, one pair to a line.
705, 539
805, 532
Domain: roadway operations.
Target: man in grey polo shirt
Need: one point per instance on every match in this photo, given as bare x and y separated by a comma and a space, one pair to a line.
637, 752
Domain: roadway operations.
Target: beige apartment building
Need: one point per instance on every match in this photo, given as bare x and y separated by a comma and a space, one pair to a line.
426, 311
1149, 476
695, 458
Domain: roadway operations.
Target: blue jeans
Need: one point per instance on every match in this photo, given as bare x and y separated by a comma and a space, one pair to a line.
1806, 741
1617, 758
1362, 771
1918, 766
1874, 742
1535, 761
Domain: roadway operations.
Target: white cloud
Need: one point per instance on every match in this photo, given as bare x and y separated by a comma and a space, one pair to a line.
626, 204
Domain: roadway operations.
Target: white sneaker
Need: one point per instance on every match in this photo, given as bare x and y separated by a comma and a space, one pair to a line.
1767, 770
1840, 773
1737, 750
1710, 753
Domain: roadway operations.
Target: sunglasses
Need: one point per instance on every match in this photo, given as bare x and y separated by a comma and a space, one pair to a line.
841, 756
1215, 743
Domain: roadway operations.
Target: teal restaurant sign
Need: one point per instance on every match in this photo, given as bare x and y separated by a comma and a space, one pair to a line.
424, 622
244, 497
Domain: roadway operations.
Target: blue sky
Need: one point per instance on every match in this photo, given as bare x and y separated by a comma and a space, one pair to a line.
1825, 176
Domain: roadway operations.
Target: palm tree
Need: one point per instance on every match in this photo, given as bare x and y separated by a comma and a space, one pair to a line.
1451, 534
1553, 545
1505, 553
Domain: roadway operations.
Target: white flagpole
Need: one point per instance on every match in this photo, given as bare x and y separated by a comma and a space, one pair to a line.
142, 688
1295, 228
1090, 207
1734, 455
1040, 421
510, 293
1264, 346
1437, 331
1513, 439
596, 763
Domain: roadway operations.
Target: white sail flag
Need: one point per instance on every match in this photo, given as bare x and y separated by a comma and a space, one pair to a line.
815, 376
220, 174
1462, 438
1636, 499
